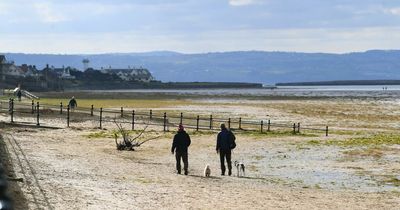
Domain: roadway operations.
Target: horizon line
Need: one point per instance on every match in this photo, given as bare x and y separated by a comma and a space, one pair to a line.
197, 53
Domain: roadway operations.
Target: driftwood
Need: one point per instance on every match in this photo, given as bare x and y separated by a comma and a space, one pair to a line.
128, 142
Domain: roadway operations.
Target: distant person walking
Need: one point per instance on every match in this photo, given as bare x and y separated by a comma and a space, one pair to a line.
225, 145
72, 103
19, 94
180, 146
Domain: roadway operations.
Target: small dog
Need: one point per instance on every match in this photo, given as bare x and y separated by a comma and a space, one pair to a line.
240, 169
207, 171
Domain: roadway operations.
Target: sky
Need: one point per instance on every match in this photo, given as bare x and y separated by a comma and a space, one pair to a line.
198, 26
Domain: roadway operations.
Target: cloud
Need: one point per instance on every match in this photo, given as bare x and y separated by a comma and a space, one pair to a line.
48, 14
301, 40
242, 2
197, 26
3, 9
393, 11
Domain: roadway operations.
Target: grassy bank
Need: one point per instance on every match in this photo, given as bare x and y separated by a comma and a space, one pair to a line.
115, 103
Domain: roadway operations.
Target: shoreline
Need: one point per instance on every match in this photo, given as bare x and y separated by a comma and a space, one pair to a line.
342, 83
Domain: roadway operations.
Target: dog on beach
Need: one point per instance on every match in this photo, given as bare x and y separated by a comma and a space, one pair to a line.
240, 168
207, 171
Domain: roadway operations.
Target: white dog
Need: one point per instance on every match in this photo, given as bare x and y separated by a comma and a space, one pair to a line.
240, 168
207, 171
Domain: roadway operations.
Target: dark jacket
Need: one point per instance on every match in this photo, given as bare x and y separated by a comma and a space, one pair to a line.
226, 140
73, 103
181, 142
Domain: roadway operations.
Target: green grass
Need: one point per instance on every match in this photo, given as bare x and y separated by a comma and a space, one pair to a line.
372, 140
347, 132
117, 103
374, 146
100, 134
396, 192
5, 97
391, 180
112, 133
377, 139
200, 133
252, 168
275, 133
375, 152
258, 157
314, 142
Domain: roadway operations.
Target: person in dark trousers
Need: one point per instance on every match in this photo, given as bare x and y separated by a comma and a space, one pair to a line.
72, 103
180, 147
225, 145
19, 94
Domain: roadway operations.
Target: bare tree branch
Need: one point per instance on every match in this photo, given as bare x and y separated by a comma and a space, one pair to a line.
128, 143
140, 134
148, 140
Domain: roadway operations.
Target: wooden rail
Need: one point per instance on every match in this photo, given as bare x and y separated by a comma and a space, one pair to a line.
164, 120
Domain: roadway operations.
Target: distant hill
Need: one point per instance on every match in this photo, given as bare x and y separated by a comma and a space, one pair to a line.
342, 82
248, 66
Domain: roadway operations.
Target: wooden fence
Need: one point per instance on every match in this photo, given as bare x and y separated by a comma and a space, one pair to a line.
133, 118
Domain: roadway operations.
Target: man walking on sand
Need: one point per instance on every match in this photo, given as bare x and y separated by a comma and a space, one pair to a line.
180, 146
19, 94
225, 145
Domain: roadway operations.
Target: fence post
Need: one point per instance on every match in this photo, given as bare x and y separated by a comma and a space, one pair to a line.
181, 118
229, 123
197, 123
151, 114
269, 125
133, 119
33, 107
61, 107
11, 109
68, 116
298, 127
294, 128
262, 125
91, 111
122, 112
240, 123
101, 116
38, 115
165, 121
326, 131
211, 120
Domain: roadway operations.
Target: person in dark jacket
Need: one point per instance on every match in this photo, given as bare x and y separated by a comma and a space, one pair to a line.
19, 94
225, 144
180, 147
72, 103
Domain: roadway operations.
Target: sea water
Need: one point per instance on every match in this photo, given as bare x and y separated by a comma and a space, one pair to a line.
374, 91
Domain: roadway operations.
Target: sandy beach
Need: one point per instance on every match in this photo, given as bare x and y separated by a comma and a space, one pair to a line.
80, 168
